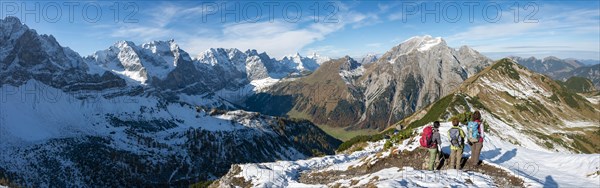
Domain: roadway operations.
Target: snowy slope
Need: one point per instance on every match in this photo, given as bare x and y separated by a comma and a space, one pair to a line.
286, 173
139, 63
301, 63
536, 168
50, 137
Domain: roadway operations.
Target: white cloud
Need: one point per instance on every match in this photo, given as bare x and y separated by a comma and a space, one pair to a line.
494, 31
374, 45
277, 38
280, 38
140, 32
358, 19
556, 30
332, 51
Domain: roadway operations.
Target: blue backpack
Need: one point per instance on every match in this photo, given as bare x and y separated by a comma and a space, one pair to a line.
473, 129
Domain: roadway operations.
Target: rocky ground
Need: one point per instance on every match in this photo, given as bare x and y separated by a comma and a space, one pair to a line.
414, 159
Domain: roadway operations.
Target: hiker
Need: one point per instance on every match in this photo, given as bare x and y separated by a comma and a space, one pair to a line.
430, 139
457, 137
476, 134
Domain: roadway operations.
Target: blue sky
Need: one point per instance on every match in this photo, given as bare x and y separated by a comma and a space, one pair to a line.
355, 28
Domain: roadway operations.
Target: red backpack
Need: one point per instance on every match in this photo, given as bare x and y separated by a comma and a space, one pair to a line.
426, 137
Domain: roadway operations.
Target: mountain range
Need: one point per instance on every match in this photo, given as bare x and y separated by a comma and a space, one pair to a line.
135, 115
563, 69
153, 115
346, 94
534, 128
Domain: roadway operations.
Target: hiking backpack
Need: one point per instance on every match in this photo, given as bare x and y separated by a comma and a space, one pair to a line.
426, 137
473, 128
455, 139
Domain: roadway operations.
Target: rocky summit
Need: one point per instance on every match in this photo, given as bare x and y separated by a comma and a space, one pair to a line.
345, 94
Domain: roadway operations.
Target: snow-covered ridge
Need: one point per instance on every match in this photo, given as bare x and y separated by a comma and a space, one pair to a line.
351, 70
12, 29
535, 168
139, 63
49, 124
308, 63
369, 58
433, 46
429, 43
424, 43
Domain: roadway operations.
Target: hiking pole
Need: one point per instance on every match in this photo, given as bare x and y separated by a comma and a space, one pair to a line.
440, 155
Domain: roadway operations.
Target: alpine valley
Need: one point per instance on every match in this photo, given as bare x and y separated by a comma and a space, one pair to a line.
152, 115
345, 94
138, 115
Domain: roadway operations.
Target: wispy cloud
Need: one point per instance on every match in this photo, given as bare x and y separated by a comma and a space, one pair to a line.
494, 31
328, 49
374, 45
277, 37
556, 30
358, 19
534, 47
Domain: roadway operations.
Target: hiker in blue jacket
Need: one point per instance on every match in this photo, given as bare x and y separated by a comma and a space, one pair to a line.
476, 136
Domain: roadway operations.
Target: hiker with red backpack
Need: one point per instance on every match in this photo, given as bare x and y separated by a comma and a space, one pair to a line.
457, 137
476, 134
430, 139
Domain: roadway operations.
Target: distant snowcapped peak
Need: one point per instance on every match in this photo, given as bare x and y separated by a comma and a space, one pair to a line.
369, 58
424, 43
161, 47
124, 44
551, 58
12, 24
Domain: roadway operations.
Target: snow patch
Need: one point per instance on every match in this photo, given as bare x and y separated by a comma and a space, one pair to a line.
593, 100
536, 168
349, 75
260, 85
428, 43
580, 124
524, 88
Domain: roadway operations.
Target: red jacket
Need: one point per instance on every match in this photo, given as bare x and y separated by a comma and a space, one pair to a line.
481, 130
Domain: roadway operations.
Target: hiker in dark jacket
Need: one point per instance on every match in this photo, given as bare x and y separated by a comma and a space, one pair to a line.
457, 137
436, 141
476, 143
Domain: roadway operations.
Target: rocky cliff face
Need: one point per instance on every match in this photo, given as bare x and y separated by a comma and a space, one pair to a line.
369, 58
406, 78
323, 95
414, 74
25, 55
